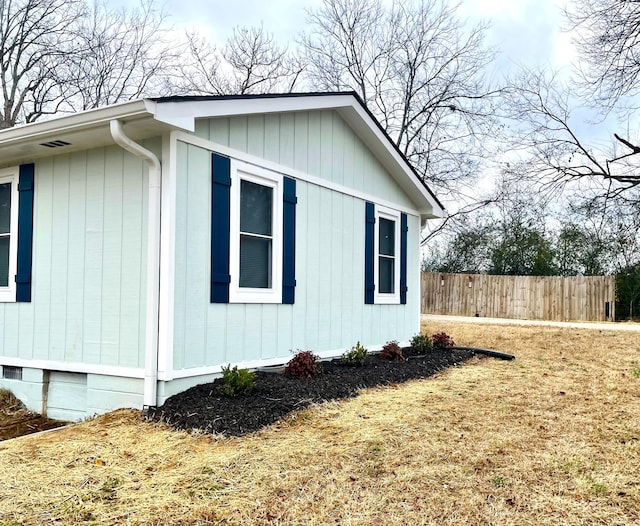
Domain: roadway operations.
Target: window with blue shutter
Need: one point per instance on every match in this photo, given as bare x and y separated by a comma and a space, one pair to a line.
252, 234
385, 255
16, 232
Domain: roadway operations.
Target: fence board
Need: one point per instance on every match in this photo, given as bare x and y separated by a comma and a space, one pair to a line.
579, 298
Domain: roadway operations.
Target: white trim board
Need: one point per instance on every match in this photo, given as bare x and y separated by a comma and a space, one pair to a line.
167, 254
254, 364
73, 367
285, 170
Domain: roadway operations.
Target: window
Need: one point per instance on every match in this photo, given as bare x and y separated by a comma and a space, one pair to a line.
255, 237
385, 255
8, 233
387, 249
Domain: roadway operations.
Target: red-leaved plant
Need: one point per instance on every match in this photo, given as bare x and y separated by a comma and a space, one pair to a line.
441, 340
392, 351
304, 364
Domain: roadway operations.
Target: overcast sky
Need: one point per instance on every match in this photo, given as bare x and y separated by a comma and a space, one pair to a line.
524, 31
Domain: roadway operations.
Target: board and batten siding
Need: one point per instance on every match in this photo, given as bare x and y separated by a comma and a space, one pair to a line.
329, 311
318, 143
89, 262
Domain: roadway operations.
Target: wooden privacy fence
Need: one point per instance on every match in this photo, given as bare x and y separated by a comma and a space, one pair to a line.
586, 298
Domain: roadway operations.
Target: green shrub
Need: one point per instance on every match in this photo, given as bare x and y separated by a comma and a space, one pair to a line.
356, 356
236, 381
421, 343
304, 364
392, 351
441, 340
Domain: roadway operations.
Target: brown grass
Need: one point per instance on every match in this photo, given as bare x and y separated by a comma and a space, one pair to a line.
551, 438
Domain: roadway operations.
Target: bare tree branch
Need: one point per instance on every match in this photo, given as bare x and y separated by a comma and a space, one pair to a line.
250, 62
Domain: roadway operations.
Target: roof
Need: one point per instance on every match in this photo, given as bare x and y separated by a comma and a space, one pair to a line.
151, 117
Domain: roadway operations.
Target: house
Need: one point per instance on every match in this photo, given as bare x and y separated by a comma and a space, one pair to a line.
147, 244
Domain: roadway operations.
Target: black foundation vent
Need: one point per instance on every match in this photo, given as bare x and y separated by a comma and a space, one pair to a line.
11, 373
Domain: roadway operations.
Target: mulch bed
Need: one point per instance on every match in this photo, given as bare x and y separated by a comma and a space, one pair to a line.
276, 395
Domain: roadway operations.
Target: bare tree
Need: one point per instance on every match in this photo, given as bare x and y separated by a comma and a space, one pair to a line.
119, 54
553, 151
35, 37
419, 71
250, 62
557, 151
67, 55
606, 36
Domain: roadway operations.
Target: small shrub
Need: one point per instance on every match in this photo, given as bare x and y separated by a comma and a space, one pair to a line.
441, 340
356, 356
636, 373
392, 351
304, 364
236, 381
421, 343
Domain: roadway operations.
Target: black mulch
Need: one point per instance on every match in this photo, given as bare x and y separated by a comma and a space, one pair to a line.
276, 395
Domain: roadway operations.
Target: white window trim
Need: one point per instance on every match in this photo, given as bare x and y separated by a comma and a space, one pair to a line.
387, 298
11, 175
243, 171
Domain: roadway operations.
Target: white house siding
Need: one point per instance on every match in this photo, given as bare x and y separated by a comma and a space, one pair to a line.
89, 263
329, 311
317, 143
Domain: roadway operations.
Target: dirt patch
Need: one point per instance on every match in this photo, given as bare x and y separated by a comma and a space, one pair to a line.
276, 395
26, 424
16, 420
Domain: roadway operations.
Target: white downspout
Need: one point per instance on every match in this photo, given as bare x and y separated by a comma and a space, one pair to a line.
153, 260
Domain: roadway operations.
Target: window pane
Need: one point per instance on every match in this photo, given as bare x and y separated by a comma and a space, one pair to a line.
256, 205
387, 241
4, 261
5, 208
385, 275
255, 262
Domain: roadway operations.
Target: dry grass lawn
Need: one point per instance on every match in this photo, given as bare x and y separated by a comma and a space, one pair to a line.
550, 438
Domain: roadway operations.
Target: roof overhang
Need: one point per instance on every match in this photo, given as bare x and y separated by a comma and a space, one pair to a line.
153, 117
87, 129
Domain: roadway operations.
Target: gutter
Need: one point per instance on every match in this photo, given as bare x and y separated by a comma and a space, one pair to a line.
153, 259
142, 108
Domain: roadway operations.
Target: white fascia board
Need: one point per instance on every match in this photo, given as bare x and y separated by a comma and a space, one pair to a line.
184, 113
380, 144
89, 118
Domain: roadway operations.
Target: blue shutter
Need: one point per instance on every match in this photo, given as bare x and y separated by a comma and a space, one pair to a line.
369, 236
25, 232
289, 241
220, 227
403, 258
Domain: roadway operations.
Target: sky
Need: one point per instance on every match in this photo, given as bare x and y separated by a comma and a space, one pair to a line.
524, 31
